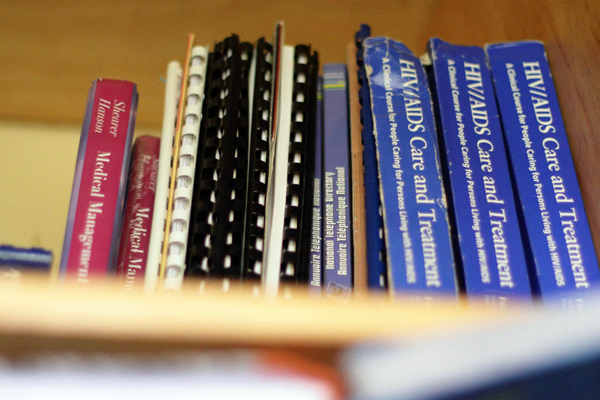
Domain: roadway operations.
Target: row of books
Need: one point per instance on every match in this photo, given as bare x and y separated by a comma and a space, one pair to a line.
421, 176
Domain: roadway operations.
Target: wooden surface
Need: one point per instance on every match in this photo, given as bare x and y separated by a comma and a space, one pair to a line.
34, 313
51, 51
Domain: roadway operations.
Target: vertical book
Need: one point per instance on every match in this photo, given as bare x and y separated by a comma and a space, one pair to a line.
559, 238
484, 215
417, 232
337, 196
139, 208
94, 221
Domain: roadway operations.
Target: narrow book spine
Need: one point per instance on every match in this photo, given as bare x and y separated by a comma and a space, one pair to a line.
258, 161
18, 257
220, 198
478, 178
164, 172
415, 215
186, 169
553, 213
337, 226
316, 248
139, 207
376, 255
94, 222
359, 232
298, 207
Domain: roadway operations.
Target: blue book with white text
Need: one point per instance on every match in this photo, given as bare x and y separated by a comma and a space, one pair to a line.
417, 231
337, 183
554, 217
376, 264
484, 215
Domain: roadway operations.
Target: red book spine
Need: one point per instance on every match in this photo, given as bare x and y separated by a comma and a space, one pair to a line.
95, 212
139, 206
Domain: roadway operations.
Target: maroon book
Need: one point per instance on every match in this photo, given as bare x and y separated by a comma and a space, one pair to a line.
95, 212
139, 206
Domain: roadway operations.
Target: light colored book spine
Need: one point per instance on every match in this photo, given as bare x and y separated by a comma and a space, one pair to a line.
164, 171
278, 186
186, 170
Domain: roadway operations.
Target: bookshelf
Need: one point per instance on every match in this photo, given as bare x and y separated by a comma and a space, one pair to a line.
74, 42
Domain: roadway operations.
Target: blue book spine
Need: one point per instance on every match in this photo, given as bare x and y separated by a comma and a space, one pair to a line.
376, 265
25, 258
316, 256
337, 223
484, 214
553, 214
415, 215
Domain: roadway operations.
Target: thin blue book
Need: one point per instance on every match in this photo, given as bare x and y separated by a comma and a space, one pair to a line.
415, 215
25, 258
560, 243
337, 183
376, 264
484, 216
316, 254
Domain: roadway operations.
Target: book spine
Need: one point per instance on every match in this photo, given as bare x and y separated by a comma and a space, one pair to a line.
478, 178
376, 255
94, 222
258, 161
359, 230
298, 207
553, 213
31, 258
186, 169
219, 220
417, 231
161, 199
337, 241
139, 208
316, 253
283, 82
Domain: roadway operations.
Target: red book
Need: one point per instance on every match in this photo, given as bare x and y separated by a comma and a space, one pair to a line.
95, 212
139, 206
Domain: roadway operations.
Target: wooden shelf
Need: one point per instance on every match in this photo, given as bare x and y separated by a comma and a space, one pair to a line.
52, 52
36, 315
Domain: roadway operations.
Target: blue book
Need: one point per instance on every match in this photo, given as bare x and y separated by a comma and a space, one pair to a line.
560, 242
15, 260
376, 265
25, 258
337, 183
484, 216
316, 255
415, 215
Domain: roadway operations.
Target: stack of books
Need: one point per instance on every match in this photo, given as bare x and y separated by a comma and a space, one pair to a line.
425, 177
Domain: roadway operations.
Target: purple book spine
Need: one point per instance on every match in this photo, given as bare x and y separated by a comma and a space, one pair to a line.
316, 253
337, 221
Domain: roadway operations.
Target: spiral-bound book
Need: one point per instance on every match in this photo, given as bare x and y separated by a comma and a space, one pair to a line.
300, 178
281, 119
161, 198
218, 222
258, 159
186, 169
